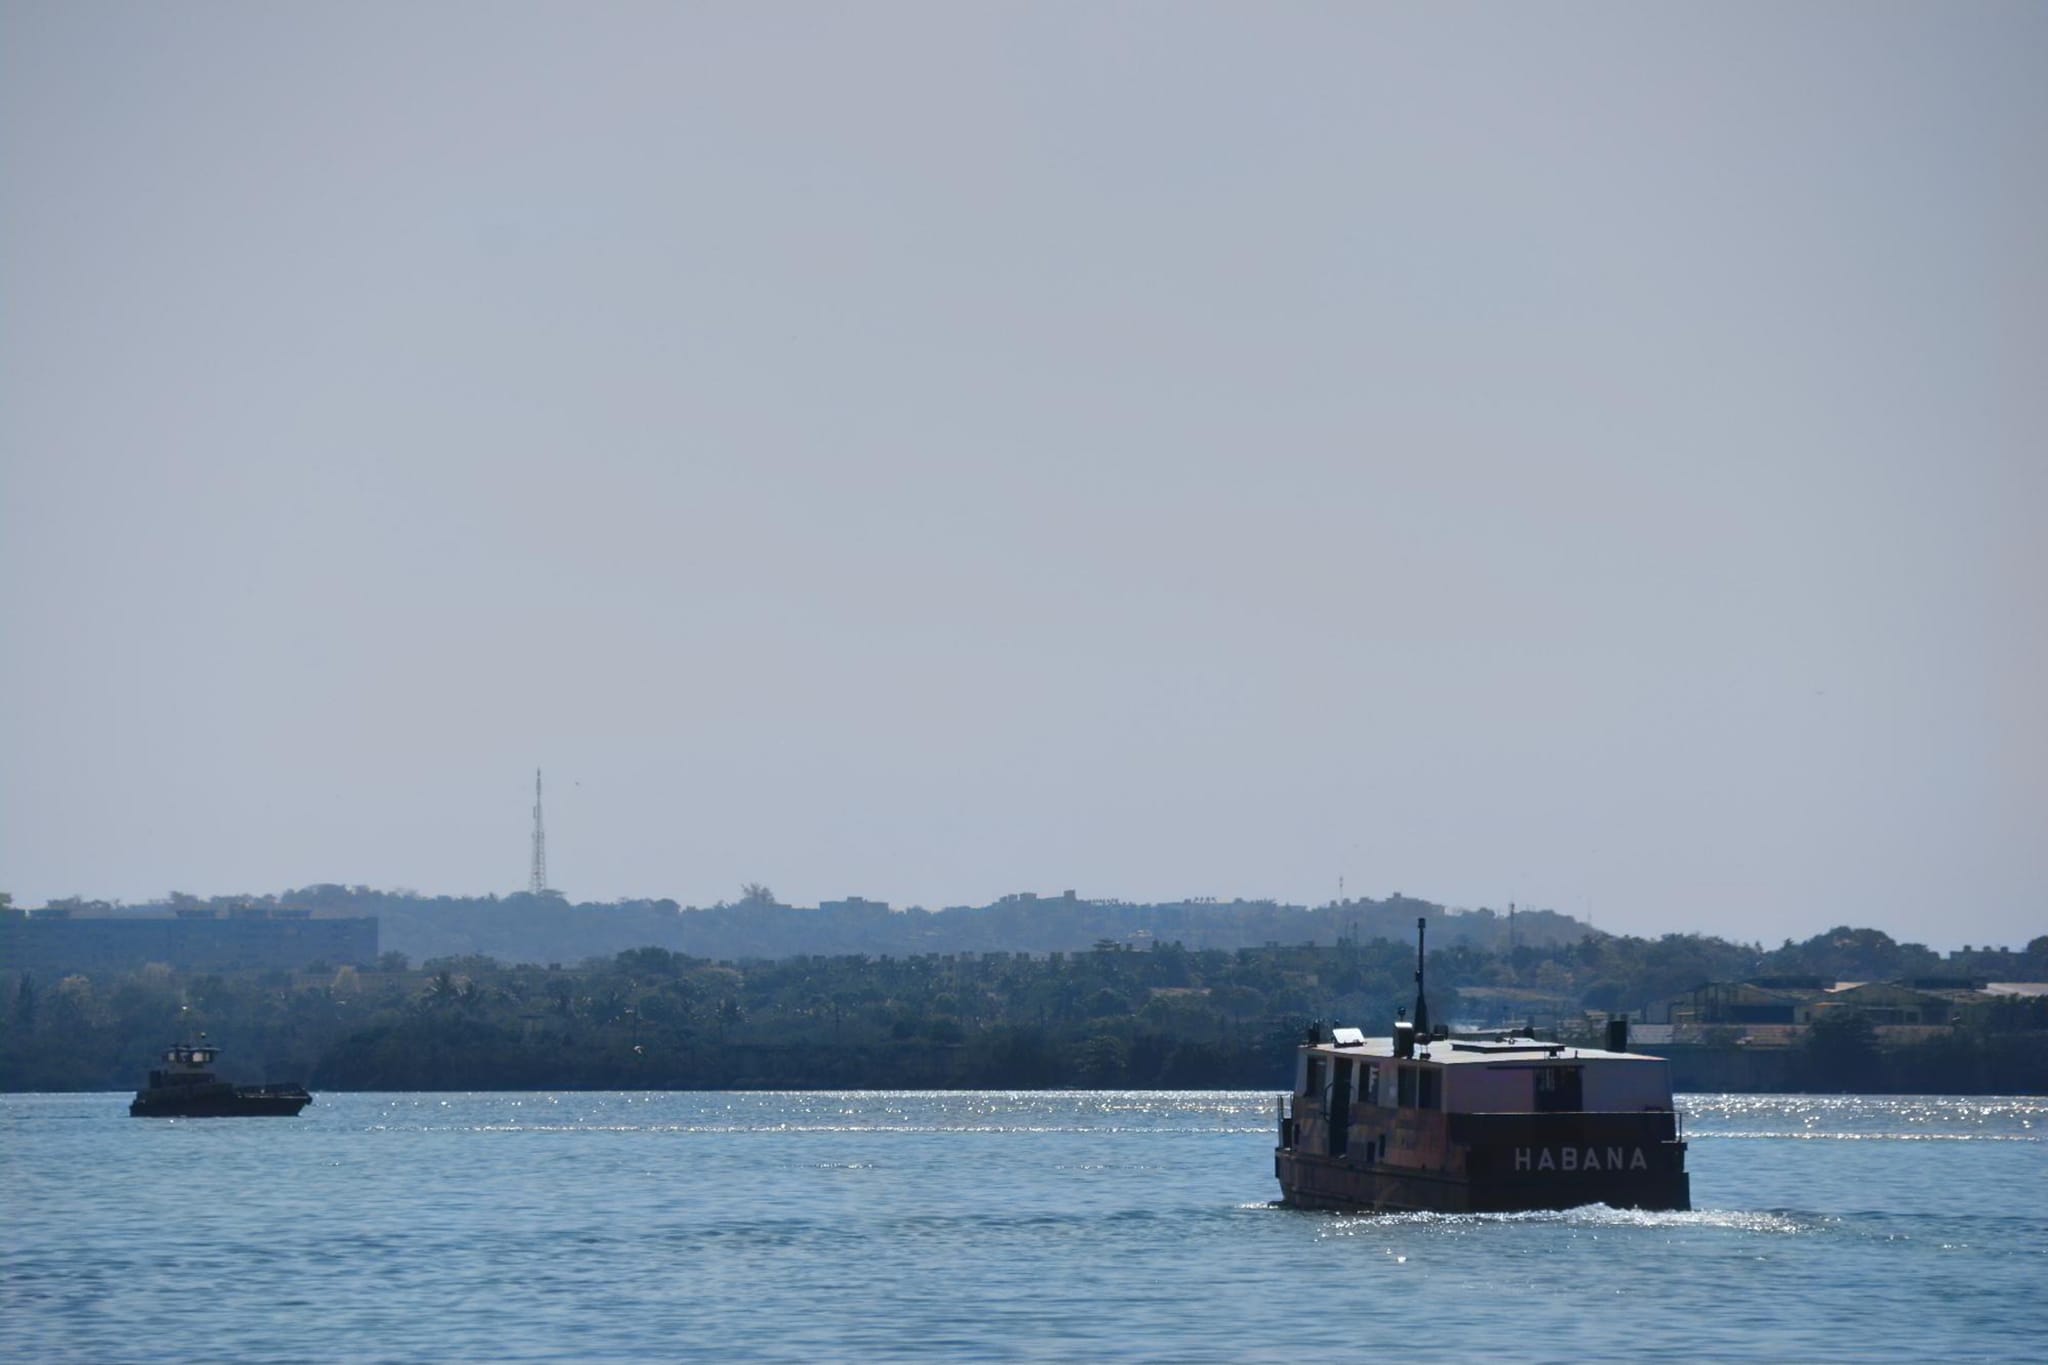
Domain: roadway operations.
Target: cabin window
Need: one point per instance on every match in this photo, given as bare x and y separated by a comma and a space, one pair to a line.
1559, 1089
1313, 1085
1419, 1087
1369, 1088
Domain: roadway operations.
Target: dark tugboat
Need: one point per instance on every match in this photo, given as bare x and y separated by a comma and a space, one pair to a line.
1494, 1124
186, 1088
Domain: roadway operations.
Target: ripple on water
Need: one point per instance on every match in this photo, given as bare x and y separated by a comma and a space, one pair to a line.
1590, 1216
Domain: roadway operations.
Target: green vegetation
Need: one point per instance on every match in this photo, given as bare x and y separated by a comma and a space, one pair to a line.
1109, 1016
2001, 1050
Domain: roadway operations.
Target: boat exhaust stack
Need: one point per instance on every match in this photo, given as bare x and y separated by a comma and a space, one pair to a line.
1421, 1001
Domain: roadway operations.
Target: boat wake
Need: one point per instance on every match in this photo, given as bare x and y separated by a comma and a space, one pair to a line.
1593, 1217
1809, 1135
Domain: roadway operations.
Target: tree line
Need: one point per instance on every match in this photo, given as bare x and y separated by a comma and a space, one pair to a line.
1170, 1016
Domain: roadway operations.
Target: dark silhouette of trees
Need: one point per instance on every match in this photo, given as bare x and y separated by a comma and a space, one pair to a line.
651, 1016
1840, 1055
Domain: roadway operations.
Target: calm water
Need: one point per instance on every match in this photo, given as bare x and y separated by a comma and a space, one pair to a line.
982, 1226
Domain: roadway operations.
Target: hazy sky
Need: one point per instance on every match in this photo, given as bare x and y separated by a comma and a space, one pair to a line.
1593, 456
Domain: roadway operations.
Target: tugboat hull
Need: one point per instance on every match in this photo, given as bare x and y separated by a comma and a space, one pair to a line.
236, 1103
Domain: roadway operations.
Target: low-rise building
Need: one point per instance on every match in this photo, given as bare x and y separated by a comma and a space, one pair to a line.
1883, 1003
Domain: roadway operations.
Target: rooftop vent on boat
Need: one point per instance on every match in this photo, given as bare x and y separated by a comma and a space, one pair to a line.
1617, 1033
1404, 1038
1348, 1037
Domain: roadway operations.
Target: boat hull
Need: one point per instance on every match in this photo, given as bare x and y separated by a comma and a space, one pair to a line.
1414, 1161
1308, 1181
227, 1102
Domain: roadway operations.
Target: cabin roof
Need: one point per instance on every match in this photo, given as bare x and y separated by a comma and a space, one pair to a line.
1478, 1051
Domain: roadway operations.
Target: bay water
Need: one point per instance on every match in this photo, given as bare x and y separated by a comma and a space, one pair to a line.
983, 1226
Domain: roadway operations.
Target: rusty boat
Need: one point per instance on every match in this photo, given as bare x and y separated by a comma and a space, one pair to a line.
1482, 1123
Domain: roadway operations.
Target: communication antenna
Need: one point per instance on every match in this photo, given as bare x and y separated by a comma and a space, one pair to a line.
539, 884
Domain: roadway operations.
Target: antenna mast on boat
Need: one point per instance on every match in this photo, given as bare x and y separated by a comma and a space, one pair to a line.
539, 884
1421, 1002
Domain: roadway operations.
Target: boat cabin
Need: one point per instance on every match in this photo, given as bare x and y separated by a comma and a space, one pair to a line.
1496, 1075
185, 1064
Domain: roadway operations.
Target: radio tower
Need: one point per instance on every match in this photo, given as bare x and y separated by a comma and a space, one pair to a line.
539, 885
